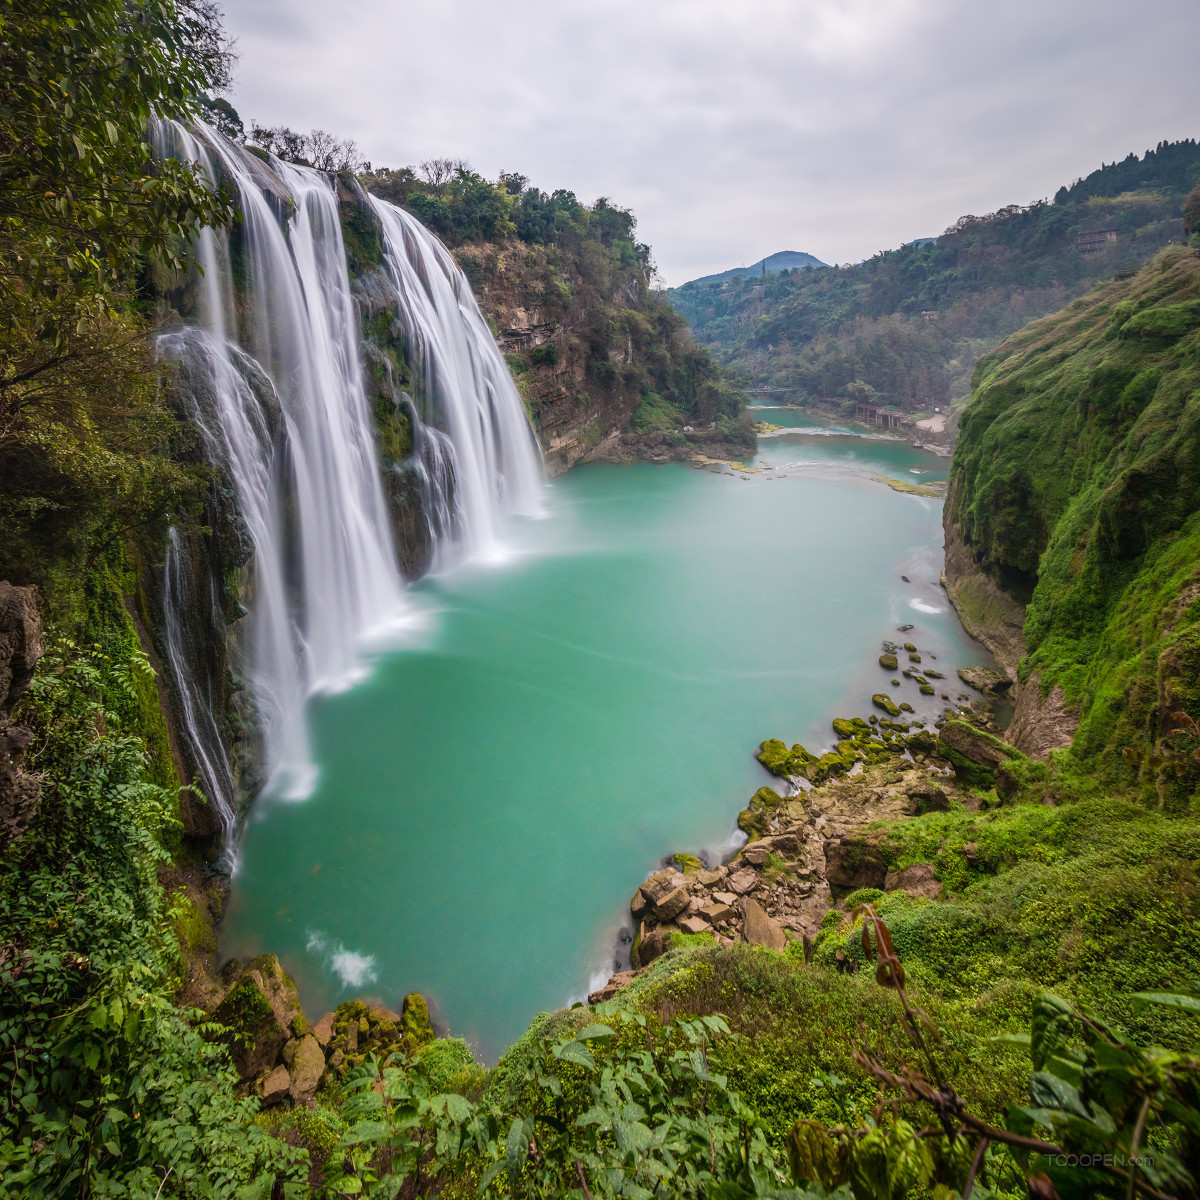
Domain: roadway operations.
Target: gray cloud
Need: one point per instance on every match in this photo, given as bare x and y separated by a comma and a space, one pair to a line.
734, 128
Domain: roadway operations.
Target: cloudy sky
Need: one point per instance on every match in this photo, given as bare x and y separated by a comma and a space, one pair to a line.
735, 128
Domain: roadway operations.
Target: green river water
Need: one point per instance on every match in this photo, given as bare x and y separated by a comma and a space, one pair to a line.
490, 797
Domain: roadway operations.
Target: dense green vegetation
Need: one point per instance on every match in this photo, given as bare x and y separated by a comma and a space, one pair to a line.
1077, 486
81, 212
108, 1089
906, 326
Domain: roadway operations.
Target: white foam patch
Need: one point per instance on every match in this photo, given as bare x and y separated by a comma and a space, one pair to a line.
352, 968
922, 607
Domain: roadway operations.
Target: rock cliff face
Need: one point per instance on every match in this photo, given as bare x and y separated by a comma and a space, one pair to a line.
589, 342
1040, 723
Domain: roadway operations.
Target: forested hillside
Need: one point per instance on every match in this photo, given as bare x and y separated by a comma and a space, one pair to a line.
1076, 490
906, 327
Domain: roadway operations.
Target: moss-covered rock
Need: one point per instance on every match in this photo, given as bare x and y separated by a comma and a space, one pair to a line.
774, 755
415, 1026
974, 754
888, 662
851, 727
880, 700
689, 863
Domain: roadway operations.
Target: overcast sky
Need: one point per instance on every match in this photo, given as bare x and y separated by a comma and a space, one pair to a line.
735, 128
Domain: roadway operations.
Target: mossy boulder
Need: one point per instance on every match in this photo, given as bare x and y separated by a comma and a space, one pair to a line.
774, 755
921, 742
689, 863
889, 662
851, 727
416, 1029
910, 647
797, 761
753, 819
855, 862
976, 755
258, 1010
880, 700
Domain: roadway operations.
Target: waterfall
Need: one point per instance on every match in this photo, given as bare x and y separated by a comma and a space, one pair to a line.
464, 384
271, 375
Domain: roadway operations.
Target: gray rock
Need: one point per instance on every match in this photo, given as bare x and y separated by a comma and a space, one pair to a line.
277, 1085
621, 980
660, 884
761, 930
854, 863
917, 879
323, 1030
693, 925
649, 946
708, 878
744, 881
984, 679
756, 855
307, 1068
638, 904
672, 904
925, 796
729, 898
716, 913
786, 844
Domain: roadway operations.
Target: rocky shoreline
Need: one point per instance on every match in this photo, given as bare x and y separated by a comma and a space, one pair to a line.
811, 842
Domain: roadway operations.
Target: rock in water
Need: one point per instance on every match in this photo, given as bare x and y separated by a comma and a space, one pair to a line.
984, 679
888, 662
307, 1068
880, 700
660, 884
761, 930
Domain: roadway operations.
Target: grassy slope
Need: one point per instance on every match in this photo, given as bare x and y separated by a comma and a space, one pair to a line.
1077, 487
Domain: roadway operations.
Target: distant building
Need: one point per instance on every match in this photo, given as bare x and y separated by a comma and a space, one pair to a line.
883, 417
1095, 241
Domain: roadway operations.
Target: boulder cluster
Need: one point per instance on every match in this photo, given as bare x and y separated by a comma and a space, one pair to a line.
281, 1058
811, 846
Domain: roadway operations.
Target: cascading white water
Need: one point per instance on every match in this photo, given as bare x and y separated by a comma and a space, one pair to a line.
274, 384
464, 384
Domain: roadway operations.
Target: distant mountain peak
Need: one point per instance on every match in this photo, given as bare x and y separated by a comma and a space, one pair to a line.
773, 264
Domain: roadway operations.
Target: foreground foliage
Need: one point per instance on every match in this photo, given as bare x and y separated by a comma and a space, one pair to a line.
110, 1091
